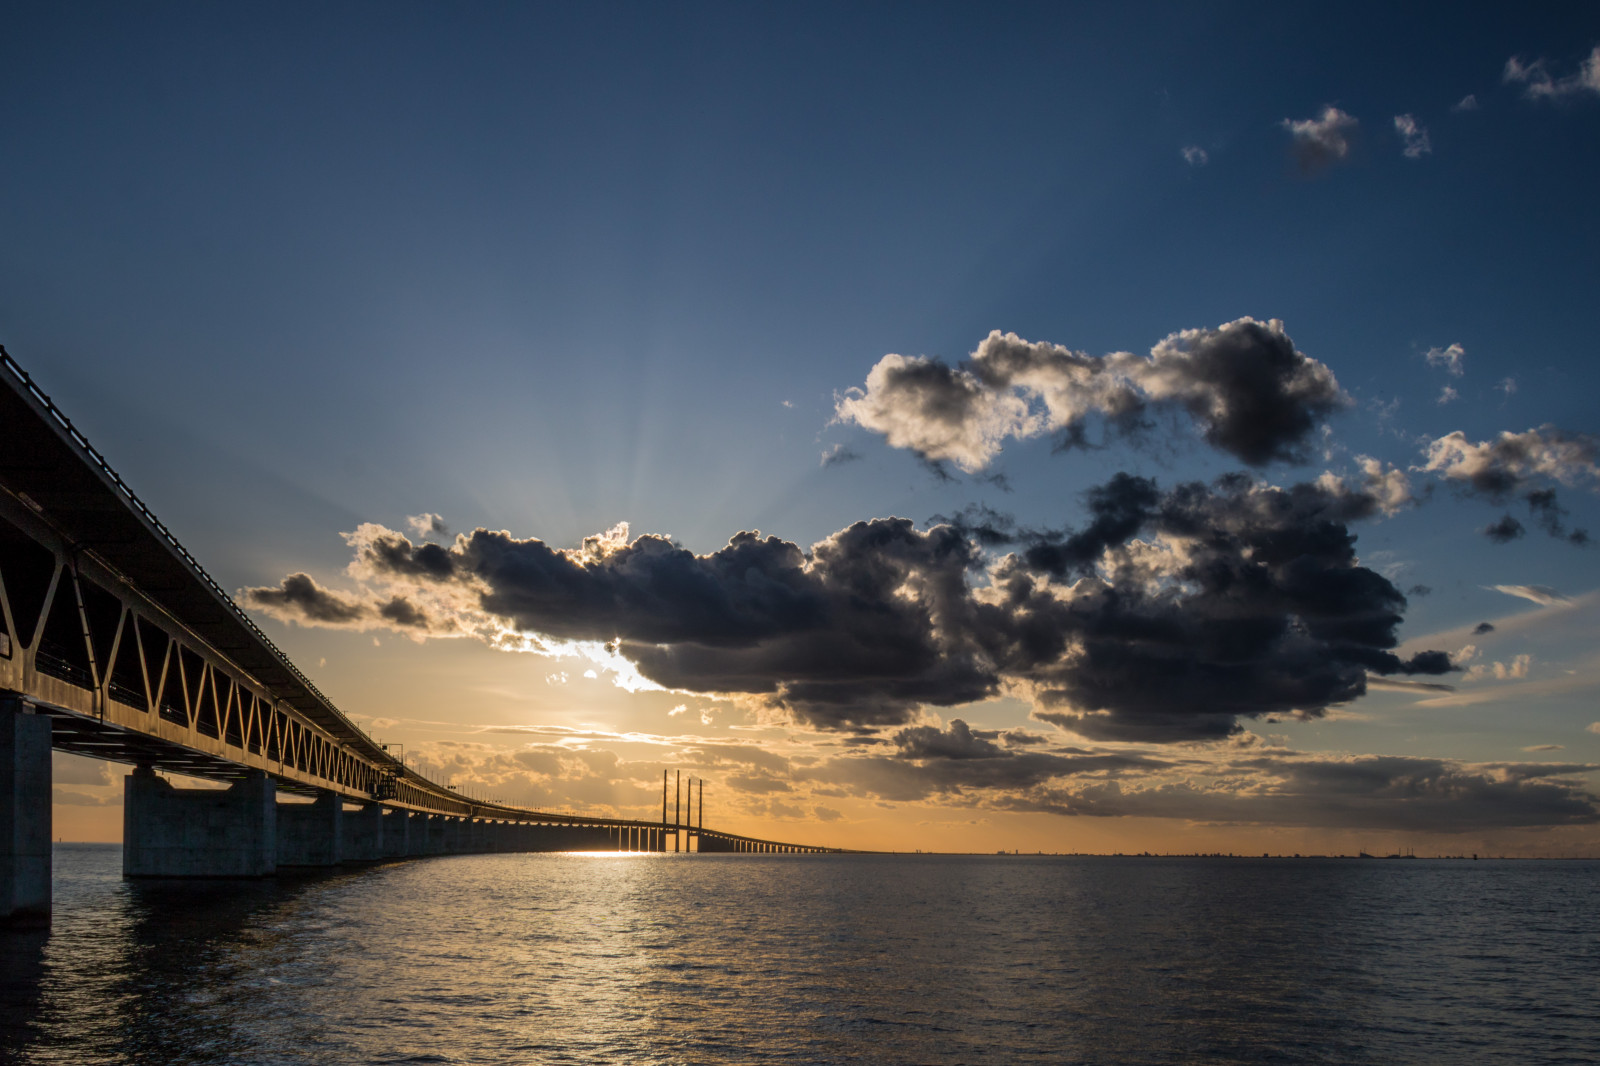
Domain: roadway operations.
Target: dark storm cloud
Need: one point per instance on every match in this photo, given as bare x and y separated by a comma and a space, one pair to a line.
1505, 530
402, 612
1370, 792
871, 623
982, 523
1481, 628
1246, 387
1240, 601
1548, 514
1266, 611
299, 598
956, 761
958, 742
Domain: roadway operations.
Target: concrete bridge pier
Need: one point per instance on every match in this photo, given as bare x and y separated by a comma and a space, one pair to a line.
312, 834
198, 832
24, 814
363, 834
395, 841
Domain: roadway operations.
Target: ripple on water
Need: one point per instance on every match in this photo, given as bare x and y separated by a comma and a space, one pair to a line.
815, 959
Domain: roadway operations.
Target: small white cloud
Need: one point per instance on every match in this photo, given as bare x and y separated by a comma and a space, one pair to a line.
376, 643
1543, 595
1450, 358
1468, 102
1593, 727
1515, 670
1387, 484
1413, 135
1195, 156
591, 675
1508, 386
427, 523
1545, 747
1538, 83
679, 709
706, 716
557, 678
1322, 141
1447, 394
788, 403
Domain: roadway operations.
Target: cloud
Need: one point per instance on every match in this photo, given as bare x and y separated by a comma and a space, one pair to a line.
1517, 669
1168, 616
1244, 783
1592, 727
427, 523
1257, 606
1509, 462
1514, 464
1451, 358
1359, 792
839, 454
1508, 385
1195, 156
958, 742
1545, 747
1247, 388
1543, 595
1481, 628
1504, 530
1393, 685
1448, 394
298, 598
1413, 136
1539, 84
1320, 142
1387, 485
1468, 102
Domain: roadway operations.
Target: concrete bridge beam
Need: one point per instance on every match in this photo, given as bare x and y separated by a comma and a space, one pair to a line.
198, 832
24, 814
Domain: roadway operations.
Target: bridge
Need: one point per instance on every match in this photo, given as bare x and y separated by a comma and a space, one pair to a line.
115, 643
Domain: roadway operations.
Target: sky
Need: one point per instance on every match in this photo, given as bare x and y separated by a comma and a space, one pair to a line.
1079, 428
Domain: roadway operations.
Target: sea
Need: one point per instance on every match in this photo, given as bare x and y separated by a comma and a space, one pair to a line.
592, 958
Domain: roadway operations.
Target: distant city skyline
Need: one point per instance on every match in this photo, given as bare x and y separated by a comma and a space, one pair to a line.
1085, 429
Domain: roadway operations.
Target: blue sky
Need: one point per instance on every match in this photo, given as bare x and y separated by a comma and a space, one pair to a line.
547, 269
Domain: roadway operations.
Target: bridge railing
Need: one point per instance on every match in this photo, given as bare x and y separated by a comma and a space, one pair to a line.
133, 500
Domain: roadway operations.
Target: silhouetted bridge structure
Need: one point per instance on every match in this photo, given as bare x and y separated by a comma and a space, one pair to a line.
116, 643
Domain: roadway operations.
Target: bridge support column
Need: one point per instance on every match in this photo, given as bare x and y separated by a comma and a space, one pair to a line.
363, 834
24, 814
396, 835
198, 832
311, 834
432, 830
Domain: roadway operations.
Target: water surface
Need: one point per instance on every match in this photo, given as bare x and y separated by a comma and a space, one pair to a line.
551, 958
